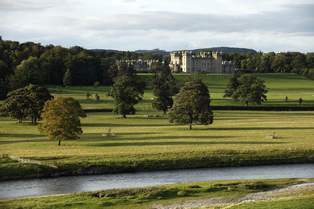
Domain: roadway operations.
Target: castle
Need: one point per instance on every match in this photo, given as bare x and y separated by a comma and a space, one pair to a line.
206, 62
186, 62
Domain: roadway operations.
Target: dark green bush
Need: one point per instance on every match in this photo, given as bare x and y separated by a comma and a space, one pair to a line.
192, 186
253, 185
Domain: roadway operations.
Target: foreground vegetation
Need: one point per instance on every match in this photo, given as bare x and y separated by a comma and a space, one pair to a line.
145, 197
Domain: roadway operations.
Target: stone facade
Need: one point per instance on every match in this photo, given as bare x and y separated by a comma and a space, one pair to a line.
206, 62
139, 65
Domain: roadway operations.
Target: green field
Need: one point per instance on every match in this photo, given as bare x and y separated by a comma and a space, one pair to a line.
151, 143
236, 138
279, 87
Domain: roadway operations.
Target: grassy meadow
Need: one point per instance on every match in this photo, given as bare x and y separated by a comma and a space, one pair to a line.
151, 143
279, 87
236, 138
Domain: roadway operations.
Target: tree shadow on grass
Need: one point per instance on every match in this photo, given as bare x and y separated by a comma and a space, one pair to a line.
24, 141
21, 135
160, 137
186, 143
107, 125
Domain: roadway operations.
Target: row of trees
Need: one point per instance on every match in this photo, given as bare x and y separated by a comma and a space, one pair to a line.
192, 106
284, 62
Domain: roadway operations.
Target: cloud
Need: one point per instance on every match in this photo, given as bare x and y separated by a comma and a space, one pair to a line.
144, 6
286, 28
29, 5
292, 19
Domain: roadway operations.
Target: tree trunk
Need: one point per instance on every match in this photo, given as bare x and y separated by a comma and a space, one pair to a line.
164, 113
59, 142
190, 127
123, 116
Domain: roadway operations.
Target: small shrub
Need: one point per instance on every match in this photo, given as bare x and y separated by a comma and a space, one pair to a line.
96, 84
231, 188
253, 185
192, 186
181, 193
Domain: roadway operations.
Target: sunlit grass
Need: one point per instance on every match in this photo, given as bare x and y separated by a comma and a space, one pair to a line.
279, 87
231, 130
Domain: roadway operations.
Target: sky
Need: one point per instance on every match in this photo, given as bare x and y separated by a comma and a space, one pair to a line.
128, 25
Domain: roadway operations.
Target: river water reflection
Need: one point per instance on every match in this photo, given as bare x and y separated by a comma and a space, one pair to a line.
70, 184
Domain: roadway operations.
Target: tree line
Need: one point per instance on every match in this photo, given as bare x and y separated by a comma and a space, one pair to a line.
283, 62
27, 63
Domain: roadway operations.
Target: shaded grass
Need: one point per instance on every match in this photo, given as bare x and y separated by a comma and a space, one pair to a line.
144, 197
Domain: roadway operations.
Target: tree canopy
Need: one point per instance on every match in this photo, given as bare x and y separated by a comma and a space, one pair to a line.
193, 104
62, 119
249, 89
233, 84
127, 90
164, 87
26, 102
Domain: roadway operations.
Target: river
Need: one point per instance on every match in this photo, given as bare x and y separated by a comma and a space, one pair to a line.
70, 184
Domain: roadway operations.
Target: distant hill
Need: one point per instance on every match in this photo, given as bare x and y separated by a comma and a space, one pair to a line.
166, 53
227, 50
112, 50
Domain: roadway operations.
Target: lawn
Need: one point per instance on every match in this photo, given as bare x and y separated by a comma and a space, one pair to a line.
151, 143
231, 130
279, 87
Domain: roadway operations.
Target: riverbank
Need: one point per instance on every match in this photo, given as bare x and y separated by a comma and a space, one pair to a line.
186, 195
12, 169
288, 193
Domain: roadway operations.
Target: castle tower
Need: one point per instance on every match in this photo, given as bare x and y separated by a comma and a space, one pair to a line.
186, 62
217, 64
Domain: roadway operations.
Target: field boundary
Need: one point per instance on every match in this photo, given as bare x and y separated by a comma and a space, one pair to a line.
29, 160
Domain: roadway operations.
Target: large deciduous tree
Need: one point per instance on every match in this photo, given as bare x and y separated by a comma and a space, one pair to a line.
164, 87
127, 90
62, 119
28, 101
233, 84
250, 90
193, 104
